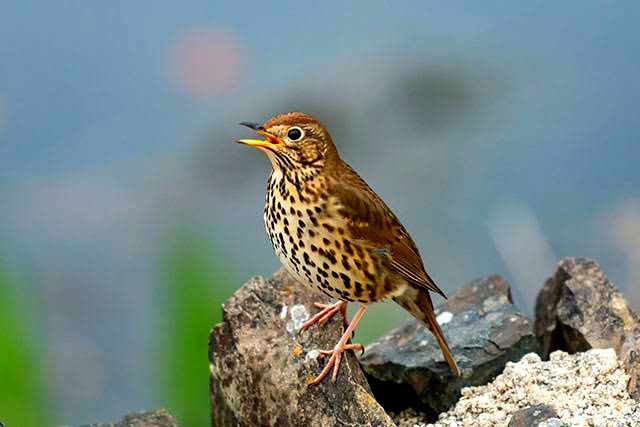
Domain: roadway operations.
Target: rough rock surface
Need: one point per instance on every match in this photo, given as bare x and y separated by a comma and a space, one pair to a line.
536, 416
586, 389
260, 367
579, 309
157, 418
484, 330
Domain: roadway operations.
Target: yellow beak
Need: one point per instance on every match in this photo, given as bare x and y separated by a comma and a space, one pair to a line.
270, 141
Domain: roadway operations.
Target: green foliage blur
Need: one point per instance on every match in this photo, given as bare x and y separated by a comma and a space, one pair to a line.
22, 400
196, 280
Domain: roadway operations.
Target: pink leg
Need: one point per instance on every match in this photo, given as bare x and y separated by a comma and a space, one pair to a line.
328, 310
341, 347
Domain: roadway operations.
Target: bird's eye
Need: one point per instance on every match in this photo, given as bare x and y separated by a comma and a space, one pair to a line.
294, 133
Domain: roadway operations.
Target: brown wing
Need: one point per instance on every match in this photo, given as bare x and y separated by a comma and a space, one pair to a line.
368, 218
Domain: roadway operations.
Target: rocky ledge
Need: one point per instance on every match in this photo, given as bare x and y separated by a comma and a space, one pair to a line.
515, 371
575, 364
260, 365
584, 389
579, 308
484, 330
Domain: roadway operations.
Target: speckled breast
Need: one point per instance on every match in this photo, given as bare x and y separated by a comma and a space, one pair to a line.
314, 245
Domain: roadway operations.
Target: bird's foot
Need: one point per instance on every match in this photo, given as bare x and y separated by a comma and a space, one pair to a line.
342, 346
328, 310
334, 361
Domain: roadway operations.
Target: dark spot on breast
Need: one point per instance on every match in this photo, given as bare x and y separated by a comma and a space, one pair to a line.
326, 241
347, 246
314, 248
335, 274
345, 263
331, 256
301, 223
346, 280
371, 290
326, 282
328, 227
307, 260
358, 289
295, 261
311, 232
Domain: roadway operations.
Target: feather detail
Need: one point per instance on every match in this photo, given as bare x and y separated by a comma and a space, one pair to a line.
370, 221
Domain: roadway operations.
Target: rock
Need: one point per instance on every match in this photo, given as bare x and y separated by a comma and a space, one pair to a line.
536, 416
260, 367
579, 309
157, 418
585, 389
484, 330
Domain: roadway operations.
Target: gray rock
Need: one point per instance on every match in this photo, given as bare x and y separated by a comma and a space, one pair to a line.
484, 330
579, 309
260, 368
536, 416
157, 418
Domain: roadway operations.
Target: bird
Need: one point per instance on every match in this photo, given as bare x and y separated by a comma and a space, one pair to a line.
333, 233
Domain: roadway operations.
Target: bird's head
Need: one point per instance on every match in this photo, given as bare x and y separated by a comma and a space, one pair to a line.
293, 141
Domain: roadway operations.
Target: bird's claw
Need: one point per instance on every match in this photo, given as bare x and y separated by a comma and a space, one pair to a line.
334, 361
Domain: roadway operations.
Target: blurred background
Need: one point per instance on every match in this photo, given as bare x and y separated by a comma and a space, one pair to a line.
504, 135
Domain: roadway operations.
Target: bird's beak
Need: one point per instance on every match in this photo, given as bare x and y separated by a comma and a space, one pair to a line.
270, 141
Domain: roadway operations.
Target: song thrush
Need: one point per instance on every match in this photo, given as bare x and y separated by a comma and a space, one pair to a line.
335, 234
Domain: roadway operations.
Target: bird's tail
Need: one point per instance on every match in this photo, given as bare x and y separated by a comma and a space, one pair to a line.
418, 303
